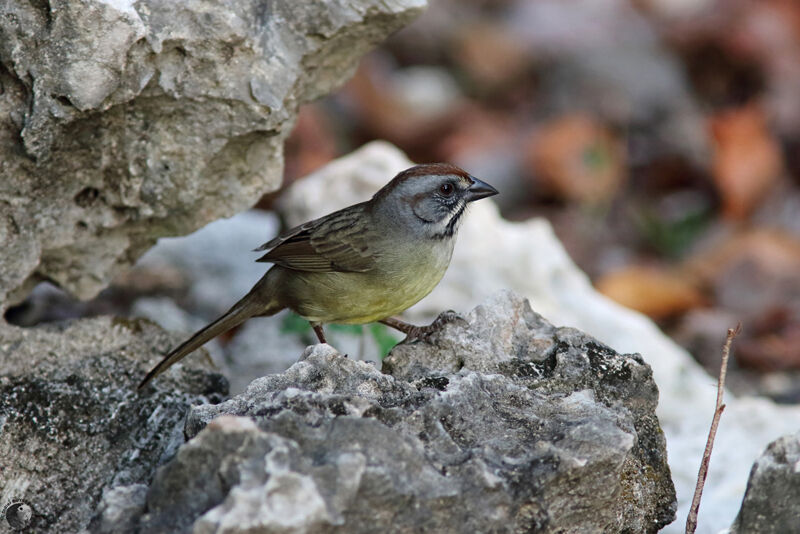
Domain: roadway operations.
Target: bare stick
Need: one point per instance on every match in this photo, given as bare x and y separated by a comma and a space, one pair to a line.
691, 519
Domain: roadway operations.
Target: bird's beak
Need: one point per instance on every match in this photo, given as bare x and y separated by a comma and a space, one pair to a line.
479, 190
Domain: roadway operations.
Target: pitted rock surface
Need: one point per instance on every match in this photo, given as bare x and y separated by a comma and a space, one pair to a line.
500, 422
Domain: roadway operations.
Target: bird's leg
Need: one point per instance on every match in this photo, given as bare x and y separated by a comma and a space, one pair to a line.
407, 328
319, 331
414, 332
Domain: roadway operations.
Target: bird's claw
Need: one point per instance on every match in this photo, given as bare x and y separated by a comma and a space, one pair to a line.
417, 333
445, 317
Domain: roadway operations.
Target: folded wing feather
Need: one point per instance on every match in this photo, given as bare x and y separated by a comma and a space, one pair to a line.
336, 242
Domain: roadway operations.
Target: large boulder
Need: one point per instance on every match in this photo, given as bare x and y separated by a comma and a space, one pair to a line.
78, 443
121, 122
500, 422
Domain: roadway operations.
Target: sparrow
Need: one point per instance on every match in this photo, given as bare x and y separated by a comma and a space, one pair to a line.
361, 264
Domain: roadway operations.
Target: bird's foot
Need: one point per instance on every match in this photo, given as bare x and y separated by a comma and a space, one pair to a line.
417, 333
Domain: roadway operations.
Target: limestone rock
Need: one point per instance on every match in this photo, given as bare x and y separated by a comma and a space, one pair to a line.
120, 508
75, 435
536, 428
121, 122
772, 501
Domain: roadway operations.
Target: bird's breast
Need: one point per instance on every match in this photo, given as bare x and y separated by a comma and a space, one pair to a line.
401, 279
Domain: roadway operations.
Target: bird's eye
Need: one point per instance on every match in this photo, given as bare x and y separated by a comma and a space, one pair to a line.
446, 189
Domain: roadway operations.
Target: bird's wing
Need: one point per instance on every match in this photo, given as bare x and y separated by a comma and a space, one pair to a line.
337, 242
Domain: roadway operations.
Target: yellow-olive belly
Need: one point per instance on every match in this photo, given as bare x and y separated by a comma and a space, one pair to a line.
358, 298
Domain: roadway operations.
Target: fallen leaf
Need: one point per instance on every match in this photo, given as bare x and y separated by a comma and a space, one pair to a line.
577, 159
656, 292
747, 160
775, 252
773, 351
477, 130
383, 111
489, 54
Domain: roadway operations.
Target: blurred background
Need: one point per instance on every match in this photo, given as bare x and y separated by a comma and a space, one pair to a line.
661, 138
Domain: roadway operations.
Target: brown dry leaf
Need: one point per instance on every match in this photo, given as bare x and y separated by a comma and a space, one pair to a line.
755, 275
747, 159
658, 293
489, 54
577, 159
774, 351
376, 107
774, 251
384, 114
477, 130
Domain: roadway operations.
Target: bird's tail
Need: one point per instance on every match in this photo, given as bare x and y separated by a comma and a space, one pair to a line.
250, 305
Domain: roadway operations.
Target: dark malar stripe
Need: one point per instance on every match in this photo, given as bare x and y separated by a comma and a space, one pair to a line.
450, 229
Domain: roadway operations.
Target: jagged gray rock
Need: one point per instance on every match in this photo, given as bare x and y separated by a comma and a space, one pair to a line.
123, 121
498, 423
771, 503
77, 441
120, 508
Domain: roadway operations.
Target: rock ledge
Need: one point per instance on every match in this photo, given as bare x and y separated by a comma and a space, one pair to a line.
500, 423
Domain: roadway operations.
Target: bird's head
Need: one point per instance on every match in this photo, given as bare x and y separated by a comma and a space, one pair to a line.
430, 198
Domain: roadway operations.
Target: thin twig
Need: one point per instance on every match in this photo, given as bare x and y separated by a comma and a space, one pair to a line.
691, 519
